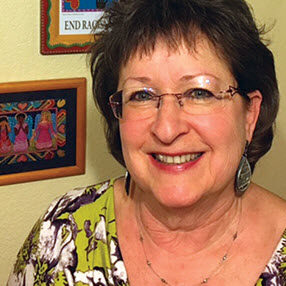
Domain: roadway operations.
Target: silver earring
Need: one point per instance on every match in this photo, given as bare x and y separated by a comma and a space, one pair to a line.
243, 174
127, 182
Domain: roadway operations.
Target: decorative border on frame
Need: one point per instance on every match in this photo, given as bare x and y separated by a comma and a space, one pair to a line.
62, 44
69, 29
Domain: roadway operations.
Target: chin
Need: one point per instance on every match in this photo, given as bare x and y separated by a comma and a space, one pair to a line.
177, 197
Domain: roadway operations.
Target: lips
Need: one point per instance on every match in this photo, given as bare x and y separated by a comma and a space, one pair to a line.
177, 159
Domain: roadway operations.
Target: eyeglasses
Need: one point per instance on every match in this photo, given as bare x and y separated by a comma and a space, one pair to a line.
142, 103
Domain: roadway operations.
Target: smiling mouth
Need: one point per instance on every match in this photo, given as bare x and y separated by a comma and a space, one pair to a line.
176, 160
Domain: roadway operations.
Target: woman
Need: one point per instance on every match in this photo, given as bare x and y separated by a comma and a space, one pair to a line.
5, 142
44, 131
21, 131
194, 98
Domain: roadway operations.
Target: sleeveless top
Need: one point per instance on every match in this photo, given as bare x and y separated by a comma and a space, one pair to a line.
75, 243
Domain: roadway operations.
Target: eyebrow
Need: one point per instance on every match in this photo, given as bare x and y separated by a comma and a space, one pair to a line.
184, 78
191, 77
141, 79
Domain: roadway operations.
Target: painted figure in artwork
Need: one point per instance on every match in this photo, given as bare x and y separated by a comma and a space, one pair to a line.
44, 132
5, 142
21, 130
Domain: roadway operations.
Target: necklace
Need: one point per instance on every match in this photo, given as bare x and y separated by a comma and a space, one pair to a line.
214, 272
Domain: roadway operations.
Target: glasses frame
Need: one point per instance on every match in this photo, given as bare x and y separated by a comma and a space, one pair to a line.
231, 91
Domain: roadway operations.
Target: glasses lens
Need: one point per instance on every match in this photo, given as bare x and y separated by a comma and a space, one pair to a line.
203, 101
202, 96
115, 102
138, 103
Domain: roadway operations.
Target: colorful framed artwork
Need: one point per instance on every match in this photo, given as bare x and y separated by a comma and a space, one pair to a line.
42, 129
67, 26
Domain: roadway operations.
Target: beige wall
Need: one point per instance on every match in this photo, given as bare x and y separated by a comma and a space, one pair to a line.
22, 204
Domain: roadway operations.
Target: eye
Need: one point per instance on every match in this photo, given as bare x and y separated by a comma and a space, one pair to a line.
141, 95
198, 93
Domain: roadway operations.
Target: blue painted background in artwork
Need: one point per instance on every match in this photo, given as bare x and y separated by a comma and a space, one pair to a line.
86, 5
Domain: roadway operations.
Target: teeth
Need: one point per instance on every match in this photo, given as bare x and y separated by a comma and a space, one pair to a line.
160, 157
177, 159
188, 157
168, 159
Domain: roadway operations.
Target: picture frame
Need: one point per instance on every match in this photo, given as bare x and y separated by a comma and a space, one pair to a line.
68, 26
42, 129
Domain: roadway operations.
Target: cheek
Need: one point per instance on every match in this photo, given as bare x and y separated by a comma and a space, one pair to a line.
133, 134
225, 137
223, 129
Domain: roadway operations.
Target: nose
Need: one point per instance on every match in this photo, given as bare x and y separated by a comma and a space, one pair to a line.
170, 122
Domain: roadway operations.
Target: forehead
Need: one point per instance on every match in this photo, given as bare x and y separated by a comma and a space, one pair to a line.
175, 63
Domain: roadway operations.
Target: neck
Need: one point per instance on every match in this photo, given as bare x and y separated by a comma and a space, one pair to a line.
211, 219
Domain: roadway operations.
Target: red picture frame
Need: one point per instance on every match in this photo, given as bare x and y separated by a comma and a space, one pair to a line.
56, 41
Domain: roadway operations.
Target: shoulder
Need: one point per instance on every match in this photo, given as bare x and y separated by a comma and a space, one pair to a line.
266, 207
274, 272
269, 200
79, 198
71, 222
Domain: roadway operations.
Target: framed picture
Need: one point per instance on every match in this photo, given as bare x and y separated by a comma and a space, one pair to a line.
42, 129
67, 25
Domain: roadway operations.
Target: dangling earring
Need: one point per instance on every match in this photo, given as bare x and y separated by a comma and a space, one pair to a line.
127, 182
243, 174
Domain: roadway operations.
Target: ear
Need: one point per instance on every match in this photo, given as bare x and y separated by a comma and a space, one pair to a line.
252, 113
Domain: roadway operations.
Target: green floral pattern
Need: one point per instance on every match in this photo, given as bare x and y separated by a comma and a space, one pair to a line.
75, 244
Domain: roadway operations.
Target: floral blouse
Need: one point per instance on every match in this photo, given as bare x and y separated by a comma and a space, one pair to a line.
75, 243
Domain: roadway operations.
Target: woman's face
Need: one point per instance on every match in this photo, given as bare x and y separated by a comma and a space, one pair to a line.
213, 142
21, 119
44, 116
